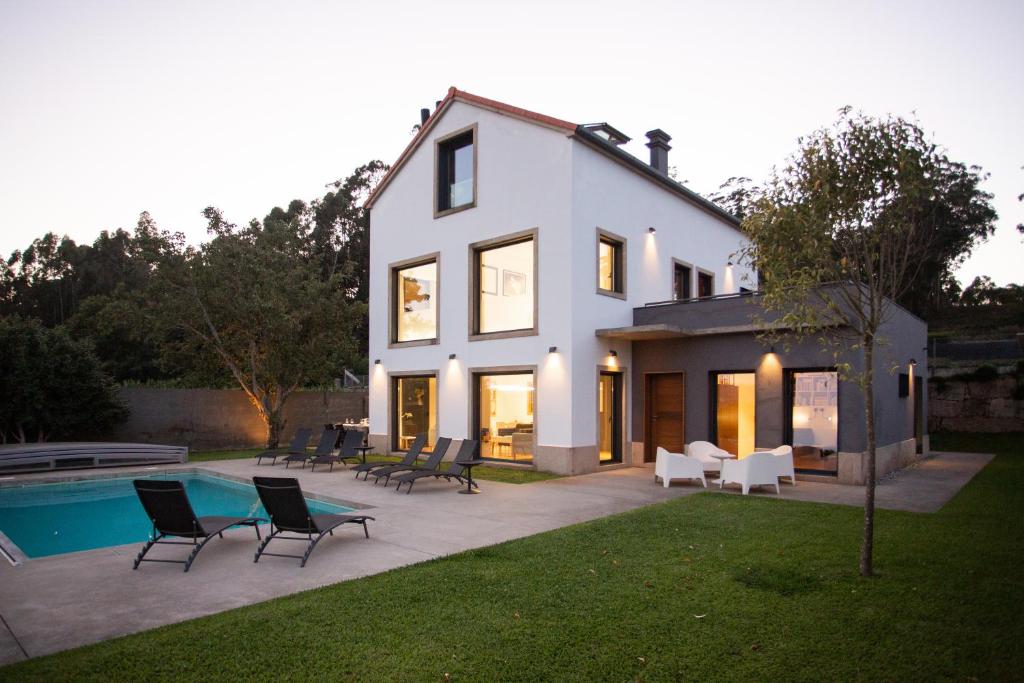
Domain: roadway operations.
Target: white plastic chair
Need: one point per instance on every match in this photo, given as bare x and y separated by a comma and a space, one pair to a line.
702, 450
784, 462
757, 469
671, 466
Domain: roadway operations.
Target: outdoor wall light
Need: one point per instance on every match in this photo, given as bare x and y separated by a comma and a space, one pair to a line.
912, 362
613, 353
651, 230
377, 362
729, 263
451, 356
552, 349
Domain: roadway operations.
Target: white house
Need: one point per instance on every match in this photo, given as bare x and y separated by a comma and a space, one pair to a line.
534, 286
500, 241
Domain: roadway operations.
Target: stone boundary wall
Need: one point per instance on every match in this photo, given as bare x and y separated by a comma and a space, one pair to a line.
208, 419
972, 406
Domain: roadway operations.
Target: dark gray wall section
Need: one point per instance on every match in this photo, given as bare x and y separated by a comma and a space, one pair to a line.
224, 418
903, 337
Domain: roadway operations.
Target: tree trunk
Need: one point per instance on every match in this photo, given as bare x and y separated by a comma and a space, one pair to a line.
868, 542
275, 427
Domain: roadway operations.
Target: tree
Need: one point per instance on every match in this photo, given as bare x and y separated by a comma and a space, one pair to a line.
842, 232
256, 297
51, 385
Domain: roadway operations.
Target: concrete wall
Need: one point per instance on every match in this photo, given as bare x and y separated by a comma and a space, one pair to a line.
224, 418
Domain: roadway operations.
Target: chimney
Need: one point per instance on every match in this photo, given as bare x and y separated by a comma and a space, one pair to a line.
424, 115
659, 149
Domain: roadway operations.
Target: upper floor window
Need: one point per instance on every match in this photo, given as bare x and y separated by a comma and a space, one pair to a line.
414, 301
611, 264
456, 171
682, 279
504, 282
705, 284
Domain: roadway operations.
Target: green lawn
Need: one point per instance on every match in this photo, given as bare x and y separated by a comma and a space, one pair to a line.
704, 587
506, 474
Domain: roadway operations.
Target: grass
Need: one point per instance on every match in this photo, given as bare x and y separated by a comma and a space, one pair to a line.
707, 587
508, 475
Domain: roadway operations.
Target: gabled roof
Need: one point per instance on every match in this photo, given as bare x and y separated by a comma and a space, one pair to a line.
580, 132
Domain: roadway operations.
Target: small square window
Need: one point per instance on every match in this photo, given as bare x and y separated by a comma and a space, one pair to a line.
611, 264
456, 172
705, 284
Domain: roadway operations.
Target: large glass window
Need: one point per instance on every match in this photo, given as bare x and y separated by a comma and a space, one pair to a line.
504, 415
610, 265
455, 172
414, 403
815, 426
734, 412
504, 287
415, 302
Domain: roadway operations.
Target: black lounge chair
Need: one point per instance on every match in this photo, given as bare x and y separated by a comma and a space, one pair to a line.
431, 463
283, 501
297, 446
324, 447
467, 451
410, 458
353, 438
168, 508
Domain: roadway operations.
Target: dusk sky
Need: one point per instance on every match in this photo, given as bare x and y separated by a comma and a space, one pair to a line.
111, 108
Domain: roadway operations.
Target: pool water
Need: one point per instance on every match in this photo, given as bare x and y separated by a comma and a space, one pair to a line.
50, 519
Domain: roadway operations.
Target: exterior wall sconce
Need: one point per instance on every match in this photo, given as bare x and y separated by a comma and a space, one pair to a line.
912, 362
377, 362
552, 349
613, 353
451, 356
651, 231
771, 349
729, 263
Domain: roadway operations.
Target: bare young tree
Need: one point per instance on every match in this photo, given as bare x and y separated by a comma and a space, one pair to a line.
838, 235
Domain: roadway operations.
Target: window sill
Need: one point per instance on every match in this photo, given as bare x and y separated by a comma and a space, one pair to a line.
457, 209
510, 334
612, 294
416, 342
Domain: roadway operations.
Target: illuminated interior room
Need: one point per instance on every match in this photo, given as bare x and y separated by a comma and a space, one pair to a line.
505, 416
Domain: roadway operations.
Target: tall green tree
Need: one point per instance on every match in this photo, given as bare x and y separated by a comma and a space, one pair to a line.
256, 297
841, 232
51, 386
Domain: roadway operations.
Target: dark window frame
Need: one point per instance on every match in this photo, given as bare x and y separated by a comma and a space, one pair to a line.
393, 273
710, 277
475, 250
475, 374
394, 379
787, 412
444, 148
618, 244
678, 264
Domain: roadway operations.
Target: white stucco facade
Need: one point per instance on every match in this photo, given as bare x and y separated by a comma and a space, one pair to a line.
532, 176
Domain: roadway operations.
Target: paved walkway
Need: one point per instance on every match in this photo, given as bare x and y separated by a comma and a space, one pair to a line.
59, 602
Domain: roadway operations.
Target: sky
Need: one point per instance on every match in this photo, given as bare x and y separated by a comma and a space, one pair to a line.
111, 108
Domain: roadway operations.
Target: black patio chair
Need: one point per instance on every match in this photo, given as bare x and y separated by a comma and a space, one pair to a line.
431, 463
353, 438
297, 446
168, 508
409, 459
282, 498
324, 447
467, 451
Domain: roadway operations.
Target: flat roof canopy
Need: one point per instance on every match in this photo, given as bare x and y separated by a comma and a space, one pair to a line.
655, 331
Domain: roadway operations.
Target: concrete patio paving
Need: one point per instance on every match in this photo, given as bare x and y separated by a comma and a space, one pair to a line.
54, 603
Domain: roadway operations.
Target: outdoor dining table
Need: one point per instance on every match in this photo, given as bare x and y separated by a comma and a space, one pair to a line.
469, 465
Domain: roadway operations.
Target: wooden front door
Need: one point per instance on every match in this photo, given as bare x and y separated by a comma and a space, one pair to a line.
727, 420
665, 412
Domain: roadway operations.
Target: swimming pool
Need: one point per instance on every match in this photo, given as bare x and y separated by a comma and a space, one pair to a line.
50, 519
